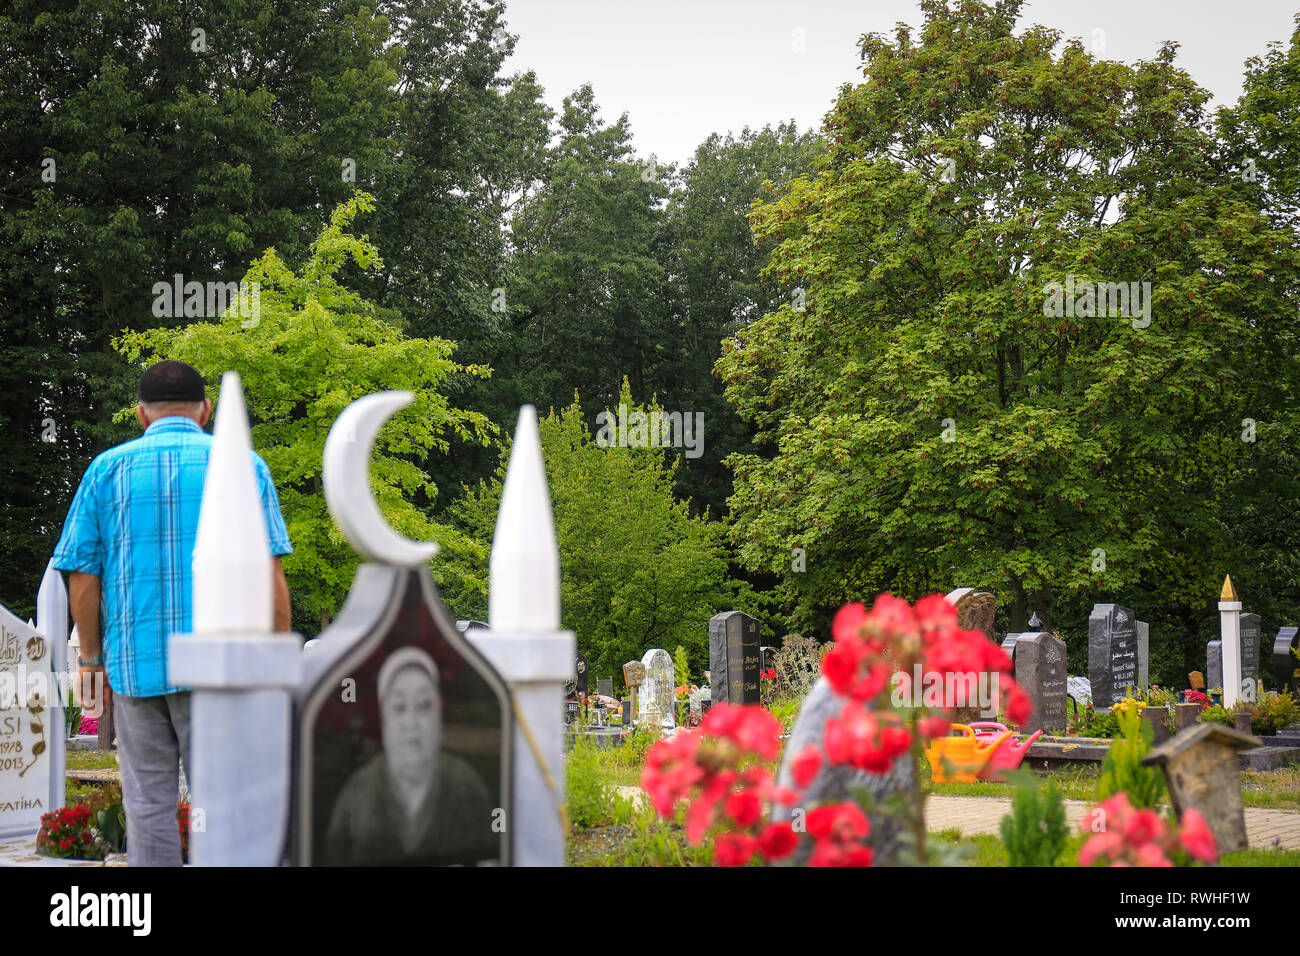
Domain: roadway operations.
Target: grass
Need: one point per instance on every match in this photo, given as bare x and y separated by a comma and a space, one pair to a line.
91, 760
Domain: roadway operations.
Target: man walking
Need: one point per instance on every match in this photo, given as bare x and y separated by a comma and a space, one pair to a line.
128, 544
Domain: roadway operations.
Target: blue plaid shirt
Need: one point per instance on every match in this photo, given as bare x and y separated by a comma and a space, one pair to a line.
133, 523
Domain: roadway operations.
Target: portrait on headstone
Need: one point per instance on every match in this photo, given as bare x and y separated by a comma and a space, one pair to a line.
405, 747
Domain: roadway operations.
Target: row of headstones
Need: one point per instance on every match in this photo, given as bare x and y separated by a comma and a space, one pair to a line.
736, 660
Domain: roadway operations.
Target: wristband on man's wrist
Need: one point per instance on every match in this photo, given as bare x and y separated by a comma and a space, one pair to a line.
95, 660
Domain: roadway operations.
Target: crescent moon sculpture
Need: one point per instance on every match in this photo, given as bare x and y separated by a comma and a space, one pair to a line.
346, 475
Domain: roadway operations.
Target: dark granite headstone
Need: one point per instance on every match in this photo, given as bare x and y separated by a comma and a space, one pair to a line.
404, 734
576, 686
1286, 666
1112, 653
1250, 634
605, 686
1214, 664
1040, 671
836, 784
1009, 645
1144, 653
734, 657
765, 655
625, 711
580, 665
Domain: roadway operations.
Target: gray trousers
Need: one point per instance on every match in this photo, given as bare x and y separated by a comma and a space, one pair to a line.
153, 734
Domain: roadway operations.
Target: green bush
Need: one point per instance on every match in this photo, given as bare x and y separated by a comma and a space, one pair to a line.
1122, 770
1034, 832
1217, 714
591, 800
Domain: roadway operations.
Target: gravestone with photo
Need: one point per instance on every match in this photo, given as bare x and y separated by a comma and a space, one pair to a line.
1286, 663
656, 701
576, 686
1040, 671
734, 657
404, 731
1112, 653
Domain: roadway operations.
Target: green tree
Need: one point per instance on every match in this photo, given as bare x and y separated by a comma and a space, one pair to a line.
314, 349
713, 287
140, 140
637, 570
935, 417
582, 296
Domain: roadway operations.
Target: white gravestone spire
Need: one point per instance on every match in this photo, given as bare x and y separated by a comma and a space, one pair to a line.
241, 673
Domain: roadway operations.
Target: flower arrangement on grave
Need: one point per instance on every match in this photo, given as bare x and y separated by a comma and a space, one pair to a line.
1126, 704
89, 725
718, 770
1196, 697
1124, 835
68, 833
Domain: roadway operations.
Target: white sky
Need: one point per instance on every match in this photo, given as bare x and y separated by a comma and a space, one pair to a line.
682, 69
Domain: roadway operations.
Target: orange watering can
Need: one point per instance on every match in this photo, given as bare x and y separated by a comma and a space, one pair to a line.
965, 755
1010, 752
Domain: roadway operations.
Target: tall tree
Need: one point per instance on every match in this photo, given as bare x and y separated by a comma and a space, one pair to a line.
140, 140
713, 287
582, 295
637, 570
315, 347
942, 412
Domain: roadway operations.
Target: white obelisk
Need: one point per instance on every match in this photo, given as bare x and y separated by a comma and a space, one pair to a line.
1230, 631
526, 645
52, 621
241, 673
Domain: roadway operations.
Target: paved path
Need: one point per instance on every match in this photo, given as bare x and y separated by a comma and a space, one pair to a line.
975, 815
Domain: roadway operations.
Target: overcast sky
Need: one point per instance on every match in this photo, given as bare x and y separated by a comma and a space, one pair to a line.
682, 69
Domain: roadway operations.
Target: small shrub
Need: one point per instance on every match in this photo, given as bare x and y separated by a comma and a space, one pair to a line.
591, 800
798, 664
1122, 770
1034, 832
68, 833
1218, 714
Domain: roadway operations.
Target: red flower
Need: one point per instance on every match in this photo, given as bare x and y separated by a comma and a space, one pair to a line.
1197, 838
734, 849
777, 841
744, 808
849, 620
806, 766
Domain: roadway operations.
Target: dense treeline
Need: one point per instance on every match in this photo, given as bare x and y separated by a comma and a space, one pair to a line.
882, 386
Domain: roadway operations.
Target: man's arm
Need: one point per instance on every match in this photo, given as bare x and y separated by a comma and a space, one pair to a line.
83, 601
280, 588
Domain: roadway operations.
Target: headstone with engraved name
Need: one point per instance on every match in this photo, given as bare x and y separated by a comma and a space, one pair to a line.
1286, 665
26, 685
605, 686
734, 657
1112, 653
1040, 670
